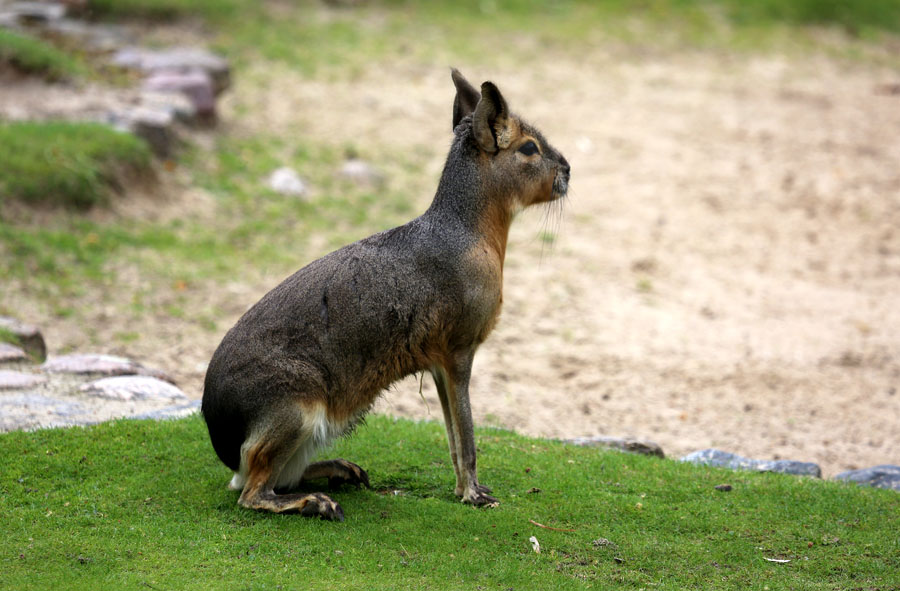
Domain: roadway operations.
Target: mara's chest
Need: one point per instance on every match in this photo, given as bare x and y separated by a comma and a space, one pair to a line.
483, 291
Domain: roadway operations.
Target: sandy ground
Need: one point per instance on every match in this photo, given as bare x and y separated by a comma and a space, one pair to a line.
725, 272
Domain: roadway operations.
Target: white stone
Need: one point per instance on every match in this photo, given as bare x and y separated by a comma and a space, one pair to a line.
584, 145
361, 173
16, 380
286, 181
11, 353
89, 363
133, 388
94, 363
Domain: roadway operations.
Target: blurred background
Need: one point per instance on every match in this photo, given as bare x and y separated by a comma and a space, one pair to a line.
723, 274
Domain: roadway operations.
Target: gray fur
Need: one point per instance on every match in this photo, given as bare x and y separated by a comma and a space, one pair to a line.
405, 300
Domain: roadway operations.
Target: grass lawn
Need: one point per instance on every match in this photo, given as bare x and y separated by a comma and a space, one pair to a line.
143, 505
71, 164
852, 16
33, 56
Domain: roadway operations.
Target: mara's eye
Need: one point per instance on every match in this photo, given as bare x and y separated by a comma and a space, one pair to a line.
528, 148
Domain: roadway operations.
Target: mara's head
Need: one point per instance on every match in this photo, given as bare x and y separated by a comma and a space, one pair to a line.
515, 160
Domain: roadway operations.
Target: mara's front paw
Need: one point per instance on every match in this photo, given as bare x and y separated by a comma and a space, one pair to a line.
478, 496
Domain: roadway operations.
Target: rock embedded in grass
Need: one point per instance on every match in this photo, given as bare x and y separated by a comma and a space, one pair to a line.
883, 476
361, 173
196, 74
196, 85
176, 104
177, 59
99, 37
28, 337
638, 446
170, 412
17, 380
286, 181
80, 389
155, 126
132, 388
95, 363
30, 410
36, 12
724, 459
10, 352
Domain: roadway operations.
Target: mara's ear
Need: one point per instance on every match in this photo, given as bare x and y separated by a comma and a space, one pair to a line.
466, 97
491, 120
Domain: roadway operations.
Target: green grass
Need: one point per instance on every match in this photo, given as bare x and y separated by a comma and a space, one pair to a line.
138, 505
255, 231
81, 250
33, 56
71, 164
348, 40
852, 16
164, 9
8, 336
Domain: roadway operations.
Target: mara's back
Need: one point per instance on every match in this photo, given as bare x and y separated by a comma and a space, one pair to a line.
340, 330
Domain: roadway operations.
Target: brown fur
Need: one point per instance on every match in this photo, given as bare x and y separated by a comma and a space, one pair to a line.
307, 361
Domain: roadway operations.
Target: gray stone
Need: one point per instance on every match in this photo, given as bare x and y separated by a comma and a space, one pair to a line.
179, 59
132, 388
17, 380
37, 12
175, 103
196, 85
93, 36
647, 448
129, 57
170, 412
724, 459
94, 363
79, 363
286, 181
883, 476
361, 173
11, 353
25, 411
9, 20
155, 126
29, 337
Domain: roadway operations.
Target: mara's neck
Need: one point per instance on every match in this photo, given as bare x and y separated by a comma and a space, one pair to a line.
462, 204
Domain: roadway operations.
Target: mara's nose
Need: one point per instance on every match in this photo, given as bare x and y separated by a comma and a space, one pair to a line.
564, 163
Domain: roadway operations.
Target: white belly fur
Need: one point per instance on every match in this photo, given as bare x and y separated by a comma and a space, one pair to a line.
318, 432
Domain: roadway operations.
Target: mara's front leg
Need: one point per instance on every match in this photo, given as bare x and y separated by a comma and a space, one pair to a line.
453, 390
442, 383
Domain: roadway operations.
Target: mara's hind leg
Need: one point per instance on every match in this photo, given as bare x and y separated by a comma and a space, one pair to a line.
265, 458
338, 472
